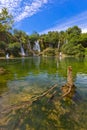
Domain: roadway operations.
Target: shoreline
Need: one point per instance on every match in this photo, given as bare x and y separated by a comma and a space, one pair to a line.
56, 56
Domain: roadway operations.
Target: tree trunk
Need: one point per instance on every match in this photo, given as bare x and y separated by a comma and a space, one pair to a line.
69, 76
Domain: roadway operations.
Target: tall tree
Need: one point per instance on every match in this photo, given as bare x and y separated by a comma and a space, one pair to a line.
73, 34
83, 39
6, 20
33, 37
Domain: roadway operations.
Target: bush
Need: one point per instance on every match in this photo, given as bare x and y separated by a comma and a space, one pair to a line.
56, 51
14, 48
71, 49
49, 52
2, 54
85, 51
2, 45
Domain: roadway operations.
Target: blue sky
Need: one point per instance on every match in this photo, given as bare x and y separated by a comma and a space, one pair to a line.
47, 15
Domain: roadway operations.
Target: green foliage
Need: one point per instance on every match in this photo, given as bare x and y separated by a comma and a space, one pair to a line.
2, 45
73, 32
72, 35
71, 49
53, 38
86, 51
34, 37
56, 51
2, 54
6, 20
20, 36
83, 39
62, 38
49, 52
48, 42
14, 48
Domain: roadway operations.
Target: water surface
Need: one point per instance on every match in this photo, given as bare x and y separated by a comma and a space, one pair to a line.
29, 77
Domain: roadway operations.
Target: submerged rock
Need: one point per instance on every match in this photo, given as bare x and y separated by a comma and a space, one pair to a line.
2, 70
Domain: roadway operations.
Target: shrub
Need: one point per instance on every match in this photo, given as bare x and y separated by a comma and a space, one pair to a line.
14, 48
71, 49
85, 51
49, 52
2, 45
56, 51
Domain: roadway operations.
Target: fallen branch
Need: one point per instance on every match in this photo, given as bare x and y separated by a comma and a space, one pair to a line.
65, 94
28, 103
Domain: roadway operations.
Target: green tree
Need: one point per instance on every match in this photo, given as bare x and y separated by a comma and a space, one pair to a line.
20, 36
2, 45
75, 50
6, 20
83, 39
53, 38
73, 34
34, 37
14, 48
62, 39
44, 41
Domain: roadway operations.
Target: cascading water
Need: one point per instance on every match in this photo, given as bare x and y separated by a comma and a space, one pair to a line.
36, 46
7, 56
22, 51
29, 46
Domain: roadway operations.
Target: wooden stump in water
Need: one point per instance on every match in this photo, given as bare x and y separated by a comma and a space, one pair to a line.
69, 76
68, 90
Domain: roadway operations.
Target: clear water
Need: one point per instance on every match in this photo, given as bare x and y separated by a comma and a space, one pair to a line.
25, 78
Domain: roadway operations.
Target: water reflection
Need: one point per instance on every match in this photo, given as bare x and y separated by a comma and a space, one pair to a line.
36, 61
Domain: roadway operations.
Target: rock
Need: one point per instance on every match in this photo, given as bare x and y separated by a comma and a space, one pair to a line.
2, 70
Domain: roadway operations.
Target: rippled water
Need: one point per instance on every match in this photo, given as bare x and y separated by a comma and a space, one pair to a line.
26, 78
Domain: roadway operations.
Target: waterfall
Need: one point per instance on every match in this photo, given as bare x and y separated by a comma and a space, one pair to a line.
7, 56
36, 46
59, 44
29, 46
22, 51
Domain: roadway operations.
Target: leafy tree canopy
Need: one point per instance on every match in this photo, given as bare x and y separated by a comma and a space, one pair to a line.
6, 20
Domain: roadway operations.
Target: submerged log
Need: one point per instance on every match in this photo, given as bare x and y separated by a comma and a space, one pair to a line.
29, 102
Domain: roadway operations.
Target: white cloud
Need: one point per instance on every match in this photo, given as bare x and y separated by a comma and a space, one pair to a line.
10, 4
79, 20
21, 9
84, 30
32, 9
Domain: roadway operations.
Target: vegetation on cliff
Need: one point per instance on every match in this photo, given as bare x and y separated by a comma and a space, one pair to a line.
70, 41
